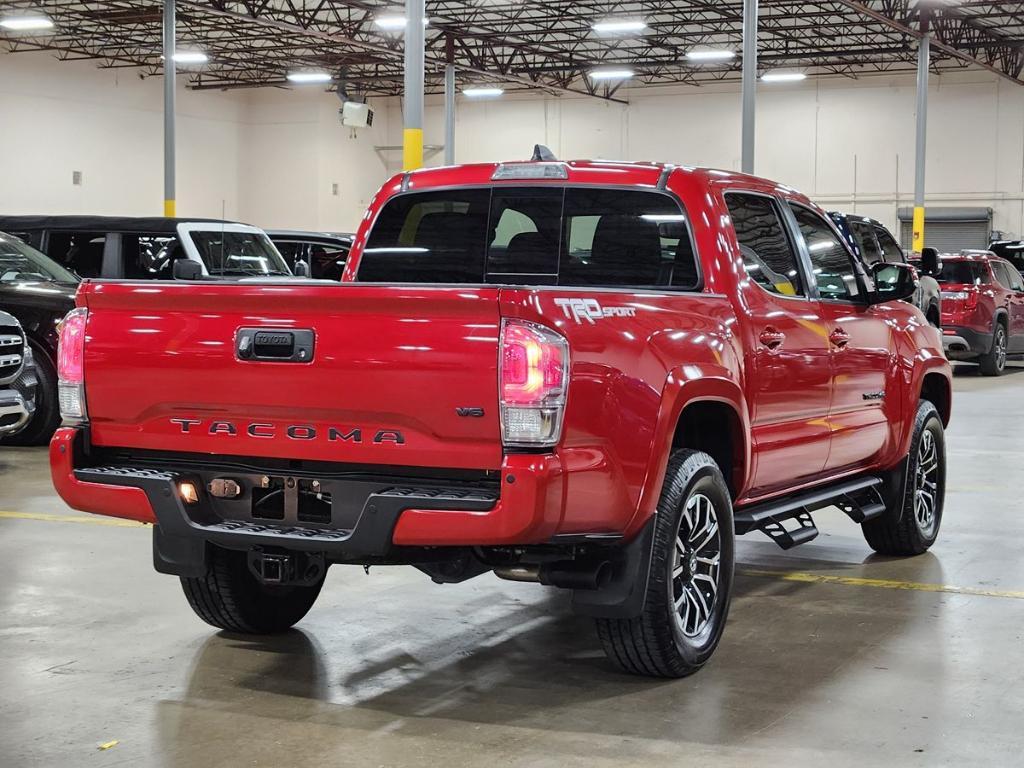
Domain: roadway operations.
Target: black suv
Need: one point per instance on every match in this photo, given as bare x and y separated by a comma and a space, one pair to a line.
39, 293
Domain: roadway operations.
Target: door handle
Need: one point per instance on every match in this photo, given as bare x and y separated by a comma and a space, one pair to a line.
839, 337
772, 337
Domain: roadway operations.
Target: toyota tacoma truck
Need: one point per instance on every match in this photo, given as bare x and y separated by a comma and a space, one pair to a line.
590, 375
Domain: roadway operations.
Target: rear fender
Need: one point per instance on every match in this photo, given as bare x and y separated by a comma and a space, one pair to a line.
685, 386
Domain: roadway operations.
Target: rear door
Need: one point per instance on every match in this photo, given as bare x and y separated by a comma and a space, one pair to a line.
790, 375
1012, 281
861, 343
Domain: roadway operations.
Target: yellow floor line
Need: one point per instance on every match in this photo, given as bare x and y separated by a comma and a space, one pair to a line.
797, 576
855, 581
88, 519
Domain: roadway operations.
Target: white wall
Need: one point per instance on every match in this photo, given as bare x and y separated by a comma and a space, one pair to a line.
847, 143
271, 156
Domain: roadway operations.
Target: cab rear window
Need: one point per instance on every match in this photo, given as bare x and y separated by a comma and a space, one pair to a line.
964, 273
578, 236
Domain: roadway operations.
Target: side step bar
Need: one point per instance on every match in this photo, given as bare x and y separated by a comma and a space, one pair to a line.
860, 499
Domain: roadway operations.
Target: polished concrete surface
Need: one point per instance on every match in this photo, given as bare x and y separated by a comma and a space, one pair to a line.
831, 657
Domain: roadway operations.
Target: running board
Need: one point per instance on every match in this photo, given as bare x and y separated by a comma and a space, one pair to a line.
860, 499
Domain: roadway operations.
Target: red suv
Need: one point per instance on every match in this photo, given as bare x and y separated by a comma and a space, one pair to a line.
982, 310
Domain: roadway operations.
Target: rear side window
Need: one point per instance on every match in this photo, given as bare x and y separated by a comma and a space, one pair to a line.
428, 237
81, 252
768, 255
891, 249
575, 236
863, 235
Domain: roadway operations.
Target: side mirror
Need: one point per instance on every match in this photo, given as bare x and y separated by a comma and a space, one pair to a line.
301, 268
187, 269
893, 282
930, 262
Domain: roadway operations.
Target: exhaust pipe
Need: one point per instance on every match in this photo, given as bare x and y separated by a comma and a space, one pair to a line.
567, 574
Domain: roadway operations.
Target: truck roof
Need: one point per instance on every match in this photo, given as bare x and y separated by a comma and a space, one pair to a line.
604, 172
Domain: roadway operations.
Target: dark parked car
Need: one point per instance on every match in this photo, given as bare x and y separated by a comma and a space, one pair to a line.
17, 377
147, 248
324, 252
874, 243
983, 310
1011, 250
39, 293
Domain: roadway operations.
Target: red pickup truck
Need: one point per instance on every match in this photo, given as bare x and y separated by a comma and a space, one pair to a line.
589, 375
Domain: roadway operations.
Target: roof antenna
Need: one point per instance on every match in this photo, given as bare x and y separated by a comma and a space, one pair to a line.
543, 154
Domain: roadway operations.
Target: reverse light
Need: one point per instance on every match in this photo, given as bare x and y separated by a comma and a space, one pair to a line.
71, 367
188, 491
534, 378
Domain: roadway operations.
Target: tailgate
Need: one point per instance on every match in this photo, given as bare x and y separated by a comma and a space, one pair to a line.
399, 375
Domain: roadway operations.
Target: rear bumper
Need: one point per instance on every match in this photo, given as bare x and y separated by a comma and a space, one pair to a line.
524, 507
963, 343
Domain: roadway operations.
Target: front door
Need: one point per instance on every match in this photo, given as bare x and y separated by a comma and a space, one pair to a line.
862, 349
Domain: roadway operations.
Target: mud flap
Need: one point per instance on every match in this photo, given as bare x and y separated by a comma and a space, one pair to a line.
624, 595
178, 555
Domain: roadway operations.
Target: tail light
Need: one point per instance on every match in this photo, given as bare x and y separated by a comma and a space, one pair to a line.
969, 297
71, 367
534, 377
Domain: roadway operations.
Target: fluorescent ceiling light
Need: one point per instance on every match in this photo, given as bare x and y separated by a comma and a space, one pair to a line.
309, 77
619, 26
190, 57
23, 23
710, 55
610, 74
394, 23
783, 77
482, 91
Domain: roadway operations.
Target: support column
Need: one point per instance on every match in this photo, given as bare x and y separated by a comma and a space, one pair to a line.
449, 102
412, 136
749, 82
169, 66
923, 55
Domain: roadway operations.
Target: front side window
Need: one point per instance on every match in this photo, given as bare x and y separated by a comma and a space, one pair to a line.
830, 261
149, 256
891, 249
864, 236
768, 255
20, 262
237, 253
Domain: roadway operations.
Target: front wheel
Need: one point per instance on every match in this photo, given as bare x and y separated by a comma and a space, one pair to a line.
230, 597
911, 526
690, 581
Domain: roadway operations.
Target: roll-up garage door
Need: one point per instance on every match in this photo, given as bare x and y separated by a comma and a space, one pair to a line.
949, 230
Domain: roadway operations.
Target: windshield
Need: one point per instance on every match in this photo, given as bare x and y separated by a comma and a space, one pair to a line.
238, 253
20, 262
963, 273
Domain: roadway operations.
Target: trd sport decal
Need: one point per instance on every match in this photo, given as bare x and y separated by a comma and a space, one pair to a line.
590, 310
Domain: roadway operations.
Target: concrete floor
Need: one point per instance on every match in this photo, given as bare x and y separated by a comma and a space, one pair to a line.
389, 669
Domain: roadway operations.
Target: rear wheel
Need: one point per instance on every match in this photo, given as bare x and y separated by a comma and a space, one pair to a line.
230, 597
912, 526
994, 362
690, 582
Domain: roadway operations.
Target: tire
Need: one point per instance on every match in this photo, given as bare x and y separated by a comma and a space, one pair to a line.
913, 526
993, 363
46, 419
230, 597
664, 641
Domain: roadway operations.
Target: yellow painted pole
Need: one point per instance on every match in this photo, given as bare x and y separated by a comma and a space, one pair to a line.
412, 149
918, 242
